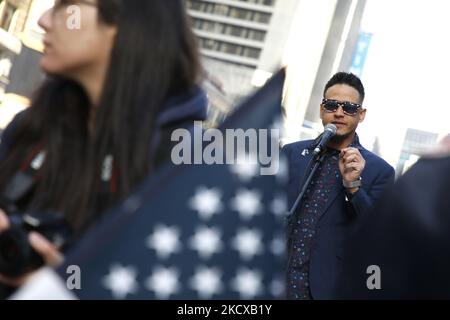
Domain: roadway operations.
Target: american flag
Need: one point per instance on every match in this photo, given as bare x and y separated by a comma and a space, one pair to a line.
195, 232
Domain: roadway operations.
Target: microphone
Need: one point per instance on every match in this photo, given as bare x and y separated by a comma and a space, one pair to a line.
328, 133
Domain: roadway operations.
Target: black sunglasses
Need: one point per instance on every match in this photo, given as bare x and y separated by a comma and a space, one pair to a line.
349, 108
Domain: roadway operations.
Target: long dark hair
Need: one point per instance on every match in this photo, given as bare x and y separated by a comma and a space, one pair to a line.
155, 56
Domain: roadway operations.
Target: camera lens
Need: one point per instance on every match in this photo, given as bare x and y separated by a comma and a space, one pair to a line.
16, 255
9, 250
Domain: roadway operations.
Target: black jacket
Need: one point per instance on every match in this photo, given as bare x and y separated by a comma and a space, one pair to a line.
407, 236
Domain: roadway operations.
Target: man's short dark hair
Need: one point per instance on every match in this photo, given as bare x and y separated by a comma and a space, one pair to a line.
349, 79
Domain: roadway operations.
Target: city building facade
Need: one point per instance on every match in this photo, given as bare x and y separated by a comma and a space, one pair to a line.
20, 50
242, 41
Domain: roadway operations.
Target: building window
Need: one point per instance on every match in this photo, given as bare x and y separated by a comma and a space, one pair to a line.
230, 48
256, 35
230, 11
261, 17
230, 30
269, 3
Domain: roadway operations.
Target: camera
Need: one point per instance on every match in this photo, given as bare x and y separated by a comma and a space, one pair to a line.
17, 257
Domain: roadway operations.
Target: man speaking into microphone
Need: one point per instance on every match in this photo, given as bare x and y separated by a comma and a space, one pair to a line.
348, 181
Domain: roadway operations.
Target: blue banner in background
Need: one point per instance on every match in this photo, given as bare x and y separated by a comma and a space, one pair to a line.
360, 54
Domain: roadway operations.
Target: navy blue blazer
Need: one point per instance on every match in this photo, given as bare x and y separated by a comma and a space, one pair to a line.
340, 215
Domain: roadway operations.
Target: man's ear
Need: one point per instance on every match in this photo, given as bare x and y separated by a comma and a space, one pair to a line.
362, 115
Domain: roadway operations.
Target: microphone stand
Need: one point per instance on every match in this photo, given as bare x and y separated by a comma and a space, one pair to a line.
293, 214
292, 217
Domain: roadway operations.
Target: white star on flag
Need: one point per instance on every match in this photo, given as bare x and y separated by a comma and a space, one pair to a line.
206, 202
207, 283
206, 242
121, 281
248, 283
165, 241
246, 167
278, 246
277, 288
279, 205
247, 203
248, 243
164, 282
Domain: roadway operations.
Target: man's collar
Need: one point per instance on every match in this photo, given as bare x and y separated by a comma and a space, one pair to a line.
355, 143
